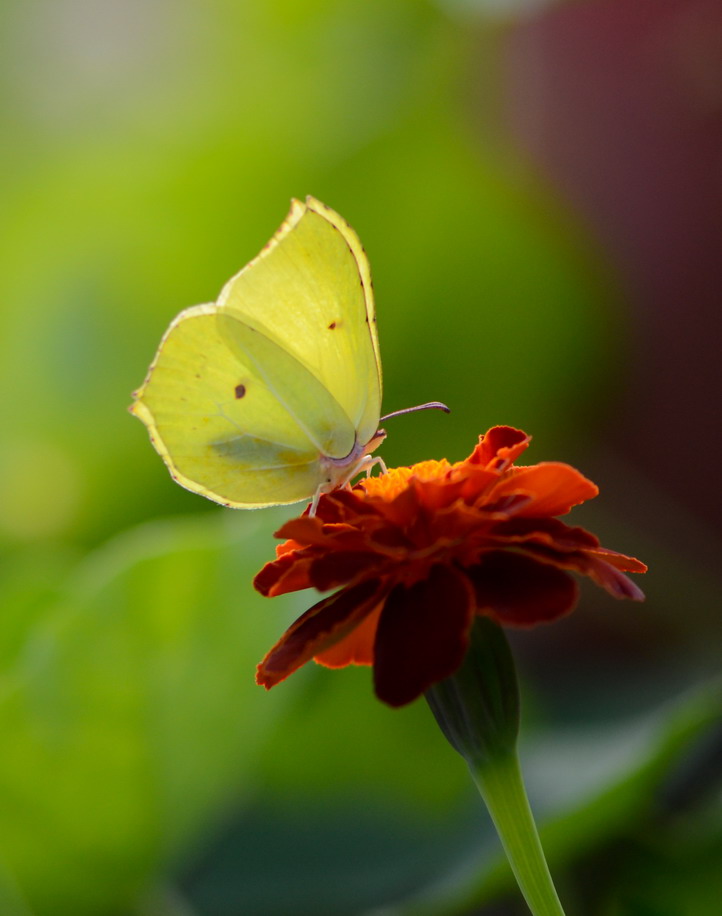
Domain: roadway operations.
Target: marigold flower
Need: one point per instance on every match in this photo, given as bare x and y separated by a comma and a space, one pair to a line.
417, 552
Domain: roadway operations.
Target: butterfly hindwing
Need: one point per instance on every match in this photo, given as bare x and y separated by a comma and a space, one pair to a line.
219, 429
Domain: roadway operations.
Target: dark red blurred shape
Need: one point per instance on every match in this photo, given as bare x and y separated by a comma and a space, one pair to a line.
620, 103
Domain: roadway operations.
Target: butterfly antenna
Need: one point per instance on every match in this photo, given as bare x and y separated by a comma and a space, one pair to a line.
432, 405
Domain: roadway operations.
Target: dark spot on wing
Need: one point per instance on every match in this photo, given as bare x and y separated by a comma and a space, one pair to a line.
333, 325
239, 391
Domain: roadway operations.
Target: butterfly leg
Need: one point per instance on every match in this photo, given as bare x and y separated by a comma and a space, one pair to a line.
366, 463
376, 462
314, 501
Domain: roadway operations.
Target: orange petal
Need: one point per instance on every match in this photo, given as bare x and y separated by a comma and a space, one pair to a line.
402, 508
321, 627
289, 573
620, 560
355, 649
287, 547
500, 446
554, 487
305, 530
475, 481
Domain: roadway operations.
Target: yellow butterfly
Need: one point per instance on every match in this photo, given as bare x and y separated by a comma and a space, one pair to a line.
272, 395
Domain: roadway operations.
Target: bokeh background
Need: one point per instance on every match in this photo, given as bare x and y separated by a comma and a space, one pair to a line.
539, 188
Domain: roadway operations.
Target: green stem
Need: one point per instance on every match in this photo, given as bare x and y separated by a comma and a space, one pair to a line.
502, 787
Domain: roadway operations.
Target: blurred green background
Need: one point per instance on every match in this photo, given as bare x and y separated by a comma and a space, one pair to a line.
537, 187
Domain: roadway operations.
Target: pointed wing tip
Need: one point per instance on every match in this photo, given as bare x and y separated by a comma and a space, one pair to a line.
138, 409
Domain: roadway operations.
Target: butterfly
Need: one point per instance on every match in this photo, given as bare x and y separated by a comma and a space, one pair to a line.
272, 394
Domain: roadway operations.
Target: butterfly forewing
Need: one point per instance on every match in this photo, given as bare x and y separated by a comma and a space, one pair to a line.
312, 406
310, 292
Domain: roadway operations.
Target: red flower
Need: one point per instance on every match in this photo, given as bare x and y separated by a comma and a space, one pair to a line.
418, 551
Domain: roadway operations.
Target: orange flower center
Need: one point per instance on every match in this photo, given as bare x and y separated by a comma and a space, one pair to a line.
389, 485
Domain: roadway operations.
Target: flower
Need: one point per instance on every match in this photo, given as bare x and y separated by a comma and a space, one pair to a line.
417, 552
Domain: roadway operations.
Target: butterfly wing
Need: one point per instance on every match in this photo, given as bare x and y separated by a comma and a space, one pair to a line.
310, 291
239, 401
216, 425
294, 387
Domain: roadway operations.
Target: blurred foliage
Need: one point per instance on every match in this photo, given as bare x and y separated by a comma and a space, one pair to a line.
149, 150
154, 153
610, 804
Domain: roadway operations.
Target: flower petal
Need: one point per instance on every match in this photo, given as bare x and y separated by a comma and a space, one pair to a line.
306, 529
603, 567
355, 649
423, 634
518, 590
317, 630
287, 547
500, 445
620, 560
420, 550
610, 578
554, 486
288, 573
342, 567
549, 532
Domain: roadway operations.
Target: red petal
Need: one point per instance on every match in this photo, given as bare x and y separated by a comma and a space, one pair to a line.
306, 529
550, 532
317, 630
620, 560
461, 523
610, 578
289, 573
355, 649
343, 506
341, 567
520, 591
555, 488
311, 532
423, 634
600, 565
